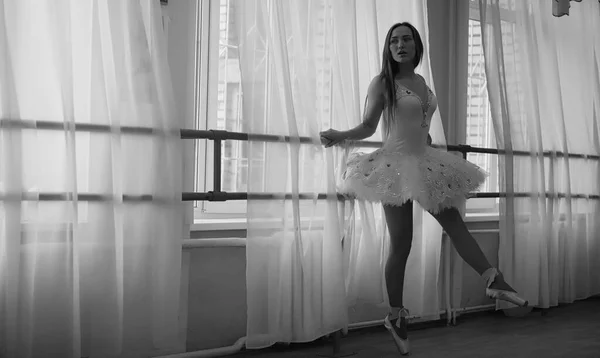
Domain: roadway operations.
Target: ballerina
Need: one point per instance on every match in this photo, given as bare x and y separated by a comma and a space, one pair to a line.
408, 169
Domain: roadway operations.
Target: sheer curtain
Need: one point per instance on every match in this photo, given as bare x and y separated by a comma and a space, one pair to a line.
543, 83
306, 66
90, 181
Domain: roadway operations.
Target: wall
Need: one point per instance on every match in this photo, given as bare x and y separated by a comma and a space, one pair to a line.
216, 301
217, 297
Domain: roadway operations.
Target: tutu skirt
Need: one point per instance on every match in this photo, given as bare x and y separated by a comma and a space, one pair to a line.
435, 179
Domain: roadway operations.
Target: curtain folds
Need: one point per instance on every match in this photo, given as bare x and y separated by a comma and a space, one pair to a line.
543, 84
305, 66
91, 219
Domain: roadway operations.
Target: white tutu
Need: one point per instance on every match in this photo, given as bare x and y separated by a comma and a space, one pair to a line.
434, 178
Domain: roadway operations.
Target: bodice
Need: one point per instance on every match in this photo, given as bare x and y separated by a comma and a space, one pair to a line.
409, 126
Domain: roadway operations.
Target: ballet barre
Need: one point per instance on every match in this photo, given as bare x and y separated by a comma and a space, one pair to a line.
232, 196
220, 135
217, 136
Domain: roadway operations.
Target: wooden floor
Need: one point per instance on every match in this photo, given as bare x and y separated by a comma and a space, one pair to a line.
566, 331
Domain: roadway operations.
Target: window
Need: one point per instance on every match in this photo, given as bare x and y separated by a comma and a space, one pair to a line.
219, 99
479, 126
219, 96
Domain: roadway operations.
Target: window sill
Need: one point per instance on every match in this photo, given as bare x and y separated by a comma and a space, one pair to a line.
481, 217
236, 224
219, 224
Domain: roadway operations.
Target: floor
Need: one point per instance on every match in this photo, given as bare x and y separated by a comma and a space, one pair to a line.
566, 331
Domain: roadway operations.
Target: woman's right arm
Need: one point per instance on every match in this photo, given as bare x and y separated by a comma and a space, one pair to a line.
375, 105
374, 108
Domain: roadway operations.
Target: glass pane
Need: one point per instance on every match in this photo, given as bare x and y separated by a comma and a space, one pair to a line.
229, 115
234, 161
480, 130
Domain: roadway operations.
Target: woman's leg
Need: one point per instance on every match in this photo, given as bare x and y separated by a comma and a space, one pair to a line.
466, 246
399, 220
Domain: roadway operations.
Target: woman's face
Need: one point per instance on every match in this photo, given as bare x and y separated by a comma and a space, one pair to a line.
402, 45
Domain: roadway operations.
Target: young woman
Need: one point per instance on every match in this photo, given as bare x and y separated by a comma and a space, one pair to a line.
406, 168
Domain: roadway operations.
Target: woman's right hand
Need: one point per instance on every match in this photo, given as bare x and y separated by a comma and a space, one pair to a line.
332, 137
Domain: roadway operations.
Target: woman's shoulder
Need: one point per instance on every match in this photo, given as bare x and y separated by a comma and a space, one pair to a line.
421, 78
378, 81
378, 85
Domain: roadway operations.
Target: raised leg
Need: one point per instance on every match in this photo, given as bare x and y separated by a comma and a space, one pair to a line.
452, 222
463, 241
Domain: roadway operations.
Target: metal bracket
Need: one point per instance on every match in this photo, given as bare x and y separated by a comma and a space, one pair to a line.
337, 348
217, 196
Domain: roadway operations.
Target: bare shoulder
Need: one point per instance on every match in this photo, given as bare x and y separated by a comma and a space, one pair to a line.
377, 84
377, 87
421, 78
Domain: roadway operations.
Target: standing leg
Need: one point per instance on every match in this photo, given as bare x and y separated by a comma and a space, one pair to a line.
469, 250
399, 220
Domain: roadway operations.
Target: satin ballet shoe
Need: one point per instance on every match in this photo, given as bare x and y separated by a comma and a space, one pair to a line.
498, 294
403, 345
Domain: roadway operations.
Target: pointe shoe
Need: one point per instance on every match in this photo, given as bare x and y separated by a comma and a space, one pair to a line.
403, 345
497, 294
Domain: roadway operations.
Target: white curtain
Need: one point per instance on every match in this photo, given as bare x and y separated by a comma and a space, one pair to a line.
544, 88
90, 181
305, 67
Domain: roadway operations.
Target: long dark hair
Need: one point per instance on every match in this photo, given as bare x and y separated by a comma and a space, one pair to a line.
389, 67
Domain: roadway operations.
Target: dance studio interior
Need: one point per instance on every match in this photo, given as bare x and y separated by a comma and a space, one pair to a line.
299, 178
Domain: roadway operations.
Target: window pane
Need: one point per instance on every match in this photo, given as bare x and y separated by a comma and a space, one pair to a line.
234, 161
225, 110
480, 130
